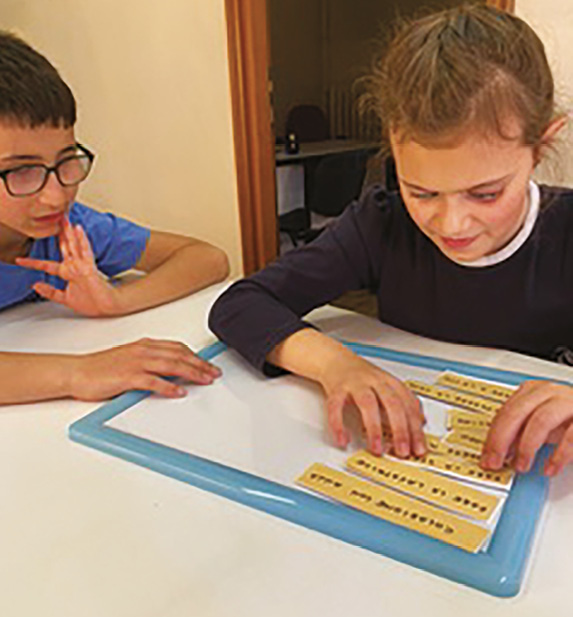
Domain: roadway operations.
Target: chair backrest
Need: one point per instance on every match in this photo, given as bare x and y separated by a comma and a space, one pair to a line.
308, 123
337, 180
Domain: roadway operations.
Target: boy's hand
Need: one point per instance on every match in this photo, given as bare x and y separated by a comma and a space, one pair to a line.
539, 412
88, 292
141, 365
380, 399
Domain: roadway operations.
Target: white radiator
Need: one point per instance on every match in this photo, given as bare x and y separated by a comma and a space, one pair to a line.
346, 120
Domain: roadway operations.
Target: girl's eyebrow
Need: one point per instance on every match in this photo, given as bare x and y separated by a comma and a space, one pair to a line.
482, 185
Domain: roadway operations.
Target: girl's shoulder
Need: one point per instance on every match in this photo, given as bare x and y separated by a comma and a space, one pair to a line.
554, 226
382, 211
377, 203
555, 198
378, 196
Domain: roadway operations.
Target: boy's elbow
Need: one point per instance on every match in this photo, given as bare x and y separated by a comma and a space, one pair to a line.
219, 264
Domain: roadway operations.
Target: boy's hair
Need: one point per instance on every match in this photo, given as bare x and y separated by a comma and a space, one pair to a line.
467, 68
32, 93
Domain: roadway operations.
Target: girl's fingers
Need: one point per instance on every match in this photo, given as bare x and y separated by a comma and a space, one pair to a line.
509, 422
369, 407
51, 267
417, 434
415, 417
540, 424
334, 409
50, 293
563, 454
395, 409
379, 398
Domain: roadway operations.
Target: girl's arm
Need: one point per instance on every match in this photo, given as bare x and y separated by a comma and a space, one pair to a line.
261, 317
346, 378
141, 365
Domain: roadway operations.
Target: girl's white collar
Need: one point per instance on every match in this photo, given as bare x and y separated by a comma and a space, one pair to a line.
509, 249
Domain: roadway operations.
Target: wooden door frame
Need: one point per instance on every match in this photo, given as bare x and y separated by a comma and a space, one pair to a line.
249, 58
248, 45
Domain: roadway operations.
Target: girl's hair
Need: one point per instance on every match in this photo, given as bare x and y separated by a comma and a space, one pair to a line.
468, 68
32, 93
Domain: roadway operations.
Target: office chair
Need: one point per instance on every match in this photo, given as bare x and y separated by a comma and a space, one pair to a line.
337, 180
307, 122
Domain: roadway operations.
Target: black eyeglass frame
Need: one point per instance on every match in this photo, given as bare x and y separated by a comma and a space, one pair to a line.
49, 169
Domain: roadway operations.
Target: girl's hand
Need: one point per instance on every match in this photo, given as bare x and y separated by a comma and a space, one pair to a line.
88, 291
538, 412
381, 400
141, 365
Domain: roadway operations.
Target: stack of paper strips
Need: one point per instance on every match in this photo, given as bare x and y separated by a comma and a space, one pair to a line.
444, 494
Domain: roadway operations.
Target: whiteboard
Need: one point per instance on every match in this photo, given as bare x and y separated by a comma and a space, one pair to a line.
248, 438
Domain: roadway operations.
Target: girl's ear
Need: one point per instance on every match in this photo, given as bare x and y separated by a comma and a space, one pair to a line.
555, 126
548, 137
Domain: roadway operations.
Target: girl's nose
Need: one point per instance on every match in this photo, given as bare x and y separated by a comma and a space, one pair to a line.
451, 219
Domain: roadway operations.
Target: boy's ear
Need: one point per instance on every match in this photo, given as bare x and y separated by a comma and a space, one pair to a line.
548, 137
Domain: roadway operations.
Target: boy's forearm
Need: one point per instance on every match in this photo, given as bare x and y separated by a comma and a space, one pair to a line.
308, 353
25, 378
189, 269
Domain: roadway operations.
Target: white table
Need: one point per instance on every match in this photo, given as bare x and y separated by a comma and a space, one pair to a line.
84, 534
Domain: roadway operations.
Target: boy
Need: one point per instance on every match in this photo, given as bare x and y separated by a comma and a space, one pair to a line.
55, 248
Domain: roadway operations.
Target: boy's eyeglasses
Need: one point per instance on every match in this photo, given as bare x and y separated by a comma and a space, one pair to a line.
27, 180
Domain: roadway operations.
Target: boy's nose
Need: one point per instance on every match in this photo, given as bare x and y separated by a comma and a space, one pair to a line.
53, 192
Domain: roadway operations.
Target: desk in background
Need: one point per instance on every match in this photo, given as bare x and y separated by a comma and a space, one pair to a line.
309, 155
86, 534
316, 149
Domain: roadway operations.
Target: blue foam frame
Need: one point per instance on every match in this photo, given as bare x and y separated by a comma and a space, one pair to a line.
498, 572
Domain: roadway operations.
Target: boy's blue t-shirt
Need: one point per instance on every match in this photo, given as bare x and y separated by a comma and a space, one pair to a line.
117, 245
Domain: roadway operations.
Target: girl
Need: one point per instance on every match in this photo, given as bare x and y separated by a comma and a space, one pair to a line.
55, 248
469, 250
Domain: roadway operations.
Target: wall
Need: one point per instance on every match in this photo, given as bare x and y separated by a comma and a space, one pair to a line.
317, 45
553, 22
356, 27
151, 80
296, 36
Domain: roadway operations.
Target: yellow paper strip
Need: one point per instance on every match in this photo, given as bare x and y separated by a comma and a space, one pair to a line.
436, 445
458, 419
475, 386
464, 468
426, 485
466, 438
459, 399
391, 506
